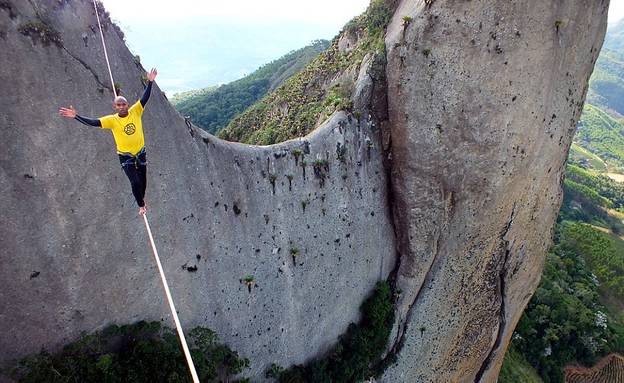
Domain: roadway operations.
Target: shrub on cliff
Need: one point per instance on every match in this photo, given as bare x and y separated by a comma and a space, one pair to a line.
358, 353
141, 352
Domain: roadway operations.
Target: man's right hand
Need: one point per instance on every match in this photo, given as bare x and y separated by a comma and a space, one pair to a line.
68, 112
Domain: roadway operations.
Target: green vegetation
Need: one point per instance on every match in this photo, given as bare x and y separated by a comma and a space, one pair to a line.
358, 354
290, 97
587, 197
516, 369
290, 111
576, 315
321, 170
249, 281
213, 108
582, 158
607, 82
603, 135
610, 193
40, 30
558, 24
565, 321
272, 179
374, 21
339, 96
298, 106
142, 352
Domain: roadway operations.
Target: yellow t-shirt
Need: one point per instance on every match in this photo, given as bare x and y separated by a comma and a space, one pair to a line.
127, 131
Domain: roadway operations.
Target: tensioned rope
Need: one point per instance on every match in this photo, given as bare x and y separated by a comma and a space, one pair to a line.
187, 353
171, 305
110, 73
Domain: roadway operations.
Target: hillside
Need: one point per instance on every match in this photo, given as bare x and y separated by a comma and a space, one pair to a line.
615, 37
212, 108
609, 370
606, 84
325, 86
603, 135
576, 317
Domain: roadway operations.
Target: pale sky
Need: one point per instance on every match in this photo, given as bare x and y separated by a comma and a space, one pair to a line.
339, 11
199, 43
616, 10
192, 54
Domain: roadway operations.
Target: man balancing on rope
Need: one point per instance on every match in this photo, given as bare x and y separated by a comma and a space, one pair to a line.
127, 129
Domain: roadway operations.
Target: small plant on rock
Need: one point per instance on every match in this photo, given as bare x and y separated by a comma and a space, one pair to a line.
272, 178
321, 170
297, 153
42, 31
303, 167
289, 177
249, 281
294, 252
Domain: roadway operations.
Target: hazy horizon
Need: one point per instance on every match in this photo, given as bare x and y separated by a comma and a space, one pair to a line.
198, 44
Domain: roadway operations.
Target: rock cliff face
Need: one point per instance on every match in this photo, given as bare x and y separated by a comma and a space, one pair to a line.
76, 257
482, 103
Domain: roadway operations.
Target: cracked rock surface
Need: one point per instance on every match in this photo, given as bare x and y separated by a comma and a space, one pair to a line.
483, 102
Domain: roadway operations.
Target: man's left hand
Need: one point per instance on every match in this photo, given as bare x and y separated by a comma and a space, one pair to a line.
151, 75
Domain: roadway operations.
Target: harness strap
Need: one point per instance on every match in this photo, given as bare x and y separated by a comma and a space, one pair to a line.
134, 159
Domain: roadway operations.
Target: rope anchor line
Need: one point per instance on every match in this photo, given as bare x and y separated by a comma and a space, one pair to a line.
187, 353
171, 305
110, 73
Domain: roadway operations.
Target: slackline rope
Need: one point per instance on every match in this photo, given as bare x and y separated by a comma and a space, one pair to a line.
171, 305
110, 73
187, 353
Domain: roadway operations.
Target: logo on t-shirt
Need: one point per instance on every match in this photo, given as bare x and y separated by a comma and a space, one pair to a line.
129, 129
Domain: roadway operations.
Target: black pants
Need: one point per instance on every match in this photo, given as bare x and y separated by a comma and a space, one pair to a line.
135, 168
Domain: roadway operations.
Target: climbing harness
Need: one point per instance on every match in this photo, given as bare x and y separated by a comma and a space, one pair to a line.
134, 161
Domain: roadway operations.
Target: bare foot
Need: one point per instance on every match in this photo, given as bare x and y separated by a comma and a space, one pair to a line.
142, 209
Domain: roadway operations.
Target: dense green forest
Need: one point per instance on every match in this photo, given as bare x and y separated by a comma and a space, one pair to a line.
142, 352
576, 316
212, 108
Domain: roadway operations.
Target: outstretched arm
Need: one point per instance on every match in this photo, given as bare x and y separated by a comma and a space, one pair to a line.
71, 113
151, 75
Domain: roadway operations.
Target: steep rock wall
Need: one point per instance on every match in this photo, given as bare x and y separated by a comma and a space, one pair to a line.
482, 103
75, 254
483, 99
